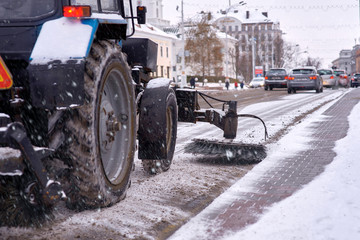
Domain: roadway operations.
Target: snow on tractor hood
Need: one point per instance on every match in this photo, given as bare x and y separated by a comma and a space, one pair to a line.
63, 39
69, 38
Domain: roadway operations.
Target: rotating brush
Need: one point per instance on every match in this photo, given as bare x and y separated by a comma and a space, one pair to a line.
231, 151
18, 208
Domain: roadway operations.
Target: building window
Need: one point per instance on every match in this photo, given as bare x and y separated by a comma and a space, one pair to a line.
243, 28
162, 71
236, 28
223, 29
168, 72
161, 51
167, 52
269, 27
230, 28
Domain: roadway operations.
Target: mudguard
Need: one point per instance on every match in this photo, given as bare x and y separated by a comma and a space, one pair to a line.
57, 62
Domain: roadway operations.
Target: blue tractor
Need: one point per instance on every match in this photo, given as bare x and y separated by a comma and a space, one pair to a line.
75, 95
67, 88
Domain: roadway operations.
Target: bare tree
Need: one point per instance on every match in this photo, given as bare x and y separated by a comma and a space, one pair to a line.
245, 68
278, 52
205, 47
315, 62
289, 55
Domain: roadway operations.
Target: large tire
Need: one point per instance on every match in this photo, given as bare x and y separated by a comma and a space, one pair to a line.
162, 165
102, 132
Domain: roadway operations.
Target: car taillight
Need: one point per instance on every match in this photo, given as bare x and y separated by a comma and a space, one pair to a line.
313, 77
77, 11
6, 81
332, 77
290, 78
286, 77
266, 78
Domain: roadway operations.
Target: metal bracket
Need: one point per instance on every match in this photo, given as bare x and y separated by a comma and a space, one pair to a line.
189, 111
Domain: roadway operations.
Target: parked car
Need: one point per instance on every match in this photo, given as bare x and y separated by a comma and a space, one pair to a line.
275, 78
328, 78
355, 80
342, 78
305, 78
257, 82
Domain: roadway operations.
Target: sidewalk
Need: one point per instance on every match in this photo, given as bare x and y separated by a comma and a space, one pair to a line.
269, 182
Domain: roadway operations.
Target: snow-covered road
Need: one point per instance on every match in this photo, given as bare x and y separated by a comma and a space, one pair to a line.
157, 205
326, 208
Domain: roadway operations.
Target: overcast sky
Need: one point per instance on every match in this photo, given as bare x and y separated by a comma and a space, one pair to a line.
322, 27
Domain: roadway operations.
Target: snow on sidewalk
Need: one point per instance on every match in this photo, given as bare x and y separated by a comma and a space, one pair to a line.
326, 208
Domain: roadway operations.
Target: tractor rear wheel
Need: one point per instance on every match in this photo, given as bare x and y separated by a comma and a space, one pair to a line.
162, 165
102, 131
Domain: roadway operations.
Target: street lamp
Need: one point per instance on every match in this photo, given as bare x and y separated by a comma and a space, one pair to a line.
253, 41
226, 11
297, 54
183, 73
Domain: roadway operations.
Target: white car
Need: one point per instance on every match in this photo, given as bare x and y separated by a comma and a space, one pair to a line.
257, 82
328, 78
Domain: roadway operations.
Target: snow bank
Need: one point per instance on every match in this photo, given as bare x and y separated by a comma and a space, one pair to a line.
327, 208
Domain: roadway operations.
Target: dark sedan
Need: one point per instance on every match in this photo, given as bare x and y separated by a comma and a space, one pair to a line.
355, 80
275, 78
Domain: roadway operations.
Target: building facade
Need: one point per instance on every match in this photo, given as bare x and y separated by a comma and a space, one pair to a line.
165, 48
152, 30
355, 59
343, 61
257, 35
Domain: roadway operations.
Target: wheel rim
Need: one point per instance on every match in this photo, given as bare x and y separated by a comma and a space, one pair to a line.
114, 126
169, 130
169, 135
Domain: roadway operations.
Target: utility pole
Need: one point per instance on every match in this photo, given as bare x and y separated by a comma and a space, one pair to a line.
226, 48
272, 49
183, 73
253, 54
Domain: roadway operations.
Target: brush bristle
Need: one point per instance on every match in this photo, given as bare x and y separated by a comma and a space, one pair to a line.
231, 150
15, 210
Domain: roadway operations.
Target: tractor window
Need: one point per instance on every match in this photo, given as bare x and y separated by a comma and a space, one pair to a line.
25, 9
91, 3
106, 5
